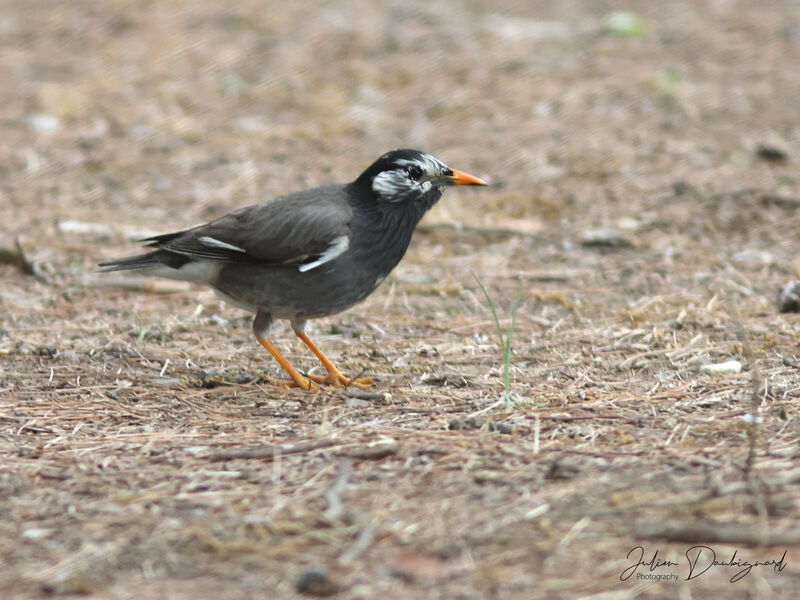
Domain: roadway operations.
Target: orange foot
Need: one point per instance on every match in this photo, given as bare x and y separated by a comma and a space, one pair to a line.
302, 382
334, 376
337, 379
297, 379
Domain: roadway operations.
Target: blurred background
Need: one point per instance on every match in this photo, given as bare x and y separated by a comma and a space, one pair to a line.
159, 114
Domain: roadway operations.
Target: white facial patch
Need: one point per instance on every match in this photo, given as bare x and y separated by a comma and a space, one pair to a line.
338, 246
397, 185
392, 185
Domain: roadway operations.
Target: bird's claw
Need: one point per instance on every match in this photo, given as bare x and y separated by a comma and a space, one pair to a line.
303, 384
336, 379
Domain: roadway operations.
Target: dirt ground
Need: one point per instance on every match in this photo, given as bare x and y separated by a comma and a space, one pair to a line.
645, 201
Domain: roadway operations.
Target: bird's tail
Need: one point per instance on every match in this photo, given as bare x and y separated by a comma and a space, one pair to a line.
140, 261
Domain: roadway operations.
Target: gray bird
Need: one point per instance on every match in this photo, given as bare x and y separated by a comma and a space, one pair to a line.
308, 254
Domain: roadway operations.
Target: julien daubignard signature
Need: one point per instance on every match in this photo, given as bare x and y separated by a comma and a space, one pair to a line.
700, 559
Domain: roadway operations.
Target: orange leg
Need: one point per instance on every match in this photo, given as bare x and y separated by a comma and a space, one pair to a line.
297, 378
334, 377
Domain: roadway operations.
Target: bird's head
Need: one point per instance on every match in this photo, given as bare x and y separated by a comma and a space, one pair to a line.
411, 177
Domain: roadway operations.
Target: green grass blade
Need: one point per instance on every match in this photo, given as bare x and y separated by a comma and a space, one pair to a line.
493, 310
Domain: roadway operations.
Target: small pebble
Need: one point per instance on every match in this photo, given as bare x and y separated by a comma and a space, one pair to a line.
665, 375
85, 228
416, 278
366, 396
772, 152
46, 350
316, 582
605, 238
753, 258
561, 469
475, 423
43, 123
730, 366
68, 356
681, 187
789, 297
751, 419
375, 450
356, 403
37, 533
790, 361
166, 382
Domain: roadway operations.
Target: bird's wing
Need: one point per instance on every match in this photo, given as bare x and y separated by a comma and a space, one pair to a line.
306, 229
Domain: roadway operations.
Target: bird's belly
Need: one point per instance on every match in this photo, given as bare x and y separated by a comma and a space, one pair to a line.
285, 292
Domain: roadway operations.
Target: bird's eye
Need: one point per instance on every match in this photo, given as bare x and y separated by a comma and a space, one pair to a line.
414, 172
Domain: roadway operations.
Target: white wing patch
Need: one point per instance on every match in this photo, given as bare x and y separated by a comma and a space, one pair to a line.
215, 243
338, 247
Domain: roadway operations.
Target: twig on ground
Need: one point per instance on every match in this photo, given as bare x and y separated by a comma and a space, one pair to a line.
723, 533
753, 429
366, 536
333, 496
374, 450
269, 452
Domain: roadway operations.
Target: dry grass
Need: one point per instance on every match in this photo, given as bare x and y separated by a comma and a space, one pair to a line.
147, 451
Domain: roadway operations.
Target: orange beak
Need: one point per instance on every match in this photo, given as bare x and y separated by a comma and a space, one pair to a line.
460, 178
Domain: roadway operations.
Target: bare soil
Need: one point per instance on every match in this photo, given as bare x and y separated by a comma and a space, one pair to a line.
147, 449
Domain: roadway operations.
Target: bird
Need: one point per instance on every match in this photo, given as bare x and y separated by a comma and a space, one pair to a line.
308, 254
